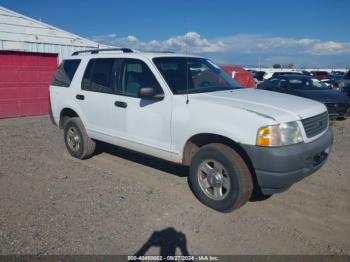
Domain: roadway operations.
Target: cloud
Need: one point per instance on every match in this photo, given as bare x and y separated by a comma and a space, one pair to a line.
191, 42
273, 49
283, 46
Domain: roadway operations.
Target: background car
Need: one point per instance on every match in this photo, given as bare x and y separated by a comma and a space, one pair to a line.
333, 79
258, 75
338, 104
307, 73
320, 74
286, 73
344, 84
338, 73
242, 76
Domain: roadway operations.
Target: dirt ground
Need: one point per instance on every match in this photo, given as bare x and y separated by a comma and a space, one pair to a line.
120, 202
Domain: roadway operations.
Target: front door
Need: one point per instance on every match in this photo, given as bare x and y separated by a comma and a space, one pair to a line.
147, 122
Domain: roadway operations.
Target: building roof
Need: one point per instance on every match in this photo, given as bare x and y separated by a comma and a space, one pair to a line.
22, 33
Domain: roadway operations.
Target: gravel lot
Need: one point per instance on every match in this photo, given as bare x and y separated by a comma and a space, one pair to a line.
120, 202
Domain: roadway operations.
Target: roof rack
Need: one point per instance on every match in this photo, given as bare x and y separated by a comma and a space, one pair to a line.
96, 51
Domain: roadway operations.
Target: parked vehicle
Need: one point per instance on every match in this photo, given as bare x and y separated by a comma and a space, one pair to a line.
320, 74
344, 84
258, 75
340, 74
307, 73
187, 110
286, 73
331, 82
242, 76
338, 104
333, 79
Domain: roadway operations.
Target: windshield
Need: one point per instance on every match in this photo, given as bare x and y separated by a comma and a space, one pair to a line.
306, 83
197, 75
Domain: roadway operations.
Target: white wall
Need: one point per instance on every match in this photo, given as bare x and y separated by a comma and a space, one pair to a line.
21, 33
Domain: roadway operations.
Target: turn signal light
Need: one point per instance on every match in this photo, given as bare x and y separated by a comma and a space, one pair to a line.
263, 138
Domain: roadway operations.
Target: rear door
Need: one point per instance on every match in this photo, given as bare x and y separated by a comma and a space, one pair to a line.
97, 99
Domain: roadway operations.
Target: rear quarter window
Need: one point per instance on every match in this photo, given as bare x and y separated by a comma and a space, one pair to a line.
65, 73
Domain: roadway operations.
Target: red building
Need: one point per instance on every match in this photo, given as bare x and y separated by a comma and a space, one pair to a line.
29, 54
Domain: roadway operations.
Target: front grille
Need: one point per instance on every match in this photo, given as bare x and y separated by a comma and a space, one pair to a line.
337, 108
315, 125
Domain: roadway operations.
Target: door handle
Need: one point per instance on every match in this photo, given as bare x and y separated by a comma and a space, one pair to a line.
80, 97
120, 104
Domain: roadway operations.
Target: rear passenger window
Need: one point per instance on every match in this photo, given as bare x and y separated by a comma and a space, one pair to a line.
98, 76
136, 74
65, 72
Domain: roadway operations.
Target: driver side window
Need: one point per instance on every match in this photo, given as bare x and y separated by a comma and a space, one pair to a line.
136, 74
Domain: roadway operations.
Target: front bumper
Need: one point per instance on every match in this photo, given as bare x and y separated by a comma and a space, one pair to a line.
347, 114
277, 168
338, 110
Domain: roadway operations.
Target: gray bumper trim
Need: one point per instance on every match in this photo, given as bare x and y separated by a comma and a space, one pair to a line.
280, 167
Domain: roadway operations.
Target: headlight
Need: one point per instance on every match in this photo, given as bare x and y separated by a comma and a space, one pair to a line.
279, 135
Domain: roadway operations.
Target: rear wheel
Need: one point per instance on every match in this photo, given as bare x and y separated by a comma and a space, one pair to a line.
78, 143
220, 178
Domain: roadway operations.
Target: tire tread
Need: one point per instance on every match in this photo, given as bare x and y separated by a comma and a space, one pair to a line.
89, 145
246, 181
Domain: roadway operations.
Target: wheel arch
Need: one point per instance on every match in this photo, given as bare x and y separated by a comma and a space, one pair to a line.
65, 114
197, 141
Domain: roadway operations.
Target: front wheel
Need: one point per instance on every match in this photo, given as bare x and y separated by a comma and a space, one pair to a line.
220, 178
77, 141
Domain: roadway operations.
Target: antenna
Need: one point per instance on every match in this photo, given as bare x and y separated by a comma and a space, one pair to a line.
187, 75
186, 52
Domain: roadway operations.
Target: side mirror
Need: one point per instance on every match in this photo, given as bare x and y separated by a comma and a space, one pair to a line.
149, 93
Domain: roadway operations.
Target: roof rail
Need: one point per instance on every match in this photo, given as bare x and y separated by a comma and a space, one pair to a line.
96, 51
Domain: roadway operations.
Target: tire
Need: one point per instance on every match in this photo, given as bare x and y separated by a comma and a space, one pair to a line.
217, 166
77, 142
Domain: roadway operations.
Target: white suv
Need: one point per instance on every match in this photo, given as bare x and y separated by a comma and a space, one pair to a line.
186, 110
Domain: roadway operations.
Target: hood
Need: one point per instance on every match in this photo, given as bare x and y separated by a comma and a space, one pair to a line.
277, 106
324, 95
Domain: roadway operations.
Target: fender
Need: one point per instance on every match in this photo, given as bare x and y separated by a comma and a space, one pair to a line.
71, 104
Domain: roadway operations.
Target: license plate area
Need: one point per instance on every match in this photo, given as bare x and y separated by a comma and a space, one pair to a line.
319, 158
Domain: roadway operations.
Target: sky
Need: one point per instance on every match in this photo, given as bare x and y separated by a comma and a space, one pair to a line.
309, 33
